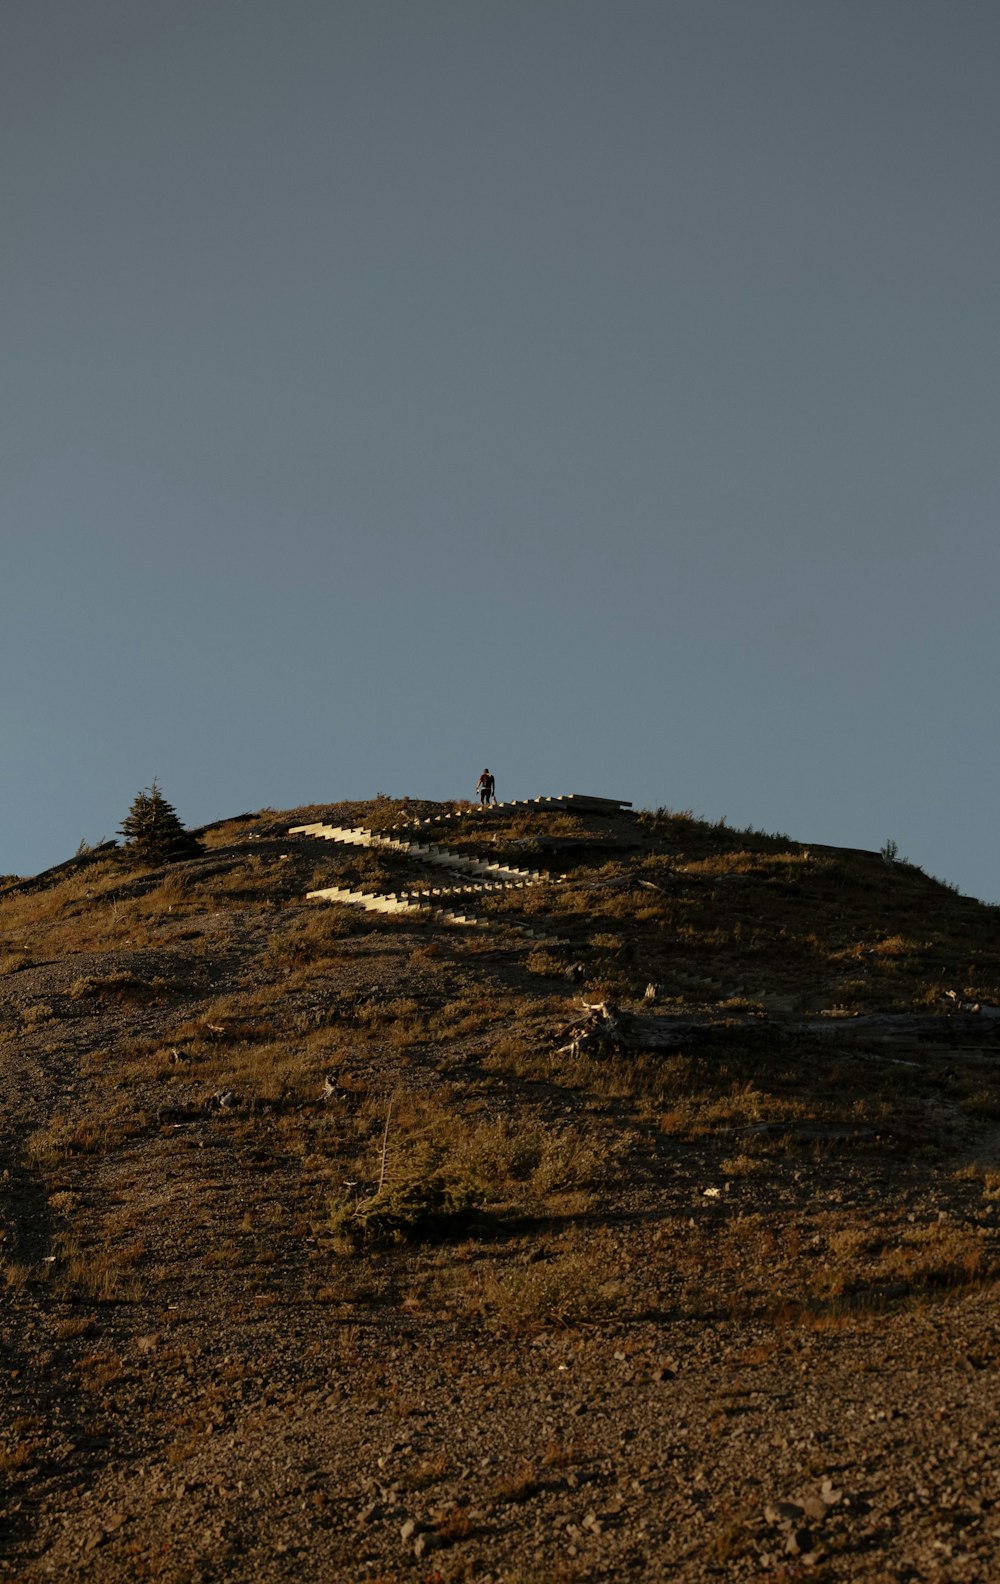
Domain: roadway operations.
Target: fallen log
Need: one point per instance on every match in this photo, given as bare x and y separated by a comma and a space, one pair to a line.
607, 1029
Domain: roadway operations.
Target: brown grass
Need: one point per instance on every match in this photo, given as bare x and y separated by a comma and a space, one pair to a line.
571, 1286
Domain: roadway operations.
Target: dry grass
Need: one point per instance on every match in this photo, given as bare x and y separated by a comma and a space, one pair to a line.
17, 1274
989, 1176
13, 961
743, 1105
519, 1486
545, 964
16, 1456
428, 1472
235, 830
64, 1138
39, 1012
743, 1165
124, 987
565, 1288
75, 1326
425, 1171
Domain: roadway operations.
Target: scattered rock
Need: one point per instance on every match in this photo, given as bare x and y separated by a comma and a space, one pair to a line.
814, 1508
783, 1512
799, 1542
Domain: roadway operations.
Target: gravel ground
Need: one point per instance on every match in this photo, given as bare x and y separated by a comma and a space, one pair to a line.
653, 1379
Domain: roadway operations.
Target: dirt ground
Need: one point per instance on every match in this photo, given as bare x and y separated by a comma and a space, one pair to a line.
725, 1312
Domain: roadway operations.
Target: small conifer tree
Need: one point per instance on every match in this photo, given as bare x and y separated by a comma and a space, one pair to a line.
153, 833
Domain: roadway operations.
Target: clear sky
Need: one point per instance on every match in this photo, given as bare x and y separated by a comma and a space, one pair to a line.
606, 393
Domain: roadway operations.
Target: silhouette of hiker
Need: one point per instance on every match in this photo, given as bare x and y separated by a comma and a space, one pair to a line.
485, 787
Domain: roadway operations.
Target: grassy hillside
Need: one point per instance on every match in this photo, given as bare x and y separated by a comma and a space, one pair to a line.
318, 1225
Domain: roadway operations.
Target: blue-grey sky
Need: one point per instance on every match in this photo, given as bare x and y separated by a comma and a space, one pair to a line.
603, 392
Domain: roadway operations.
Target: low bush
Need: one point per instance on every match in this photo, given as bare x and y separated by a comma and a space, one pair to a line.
430, 1202
441, 1176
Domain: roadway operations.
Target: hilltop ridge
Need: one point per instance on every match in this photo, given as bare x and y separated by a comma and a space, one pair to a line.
599, 1230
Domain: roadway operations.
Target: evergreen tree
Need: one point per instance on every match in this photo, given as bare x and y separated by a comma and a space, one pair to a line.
152, 831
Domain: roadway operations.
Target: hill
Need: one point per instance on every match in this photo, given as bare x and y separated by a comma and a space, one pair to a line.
622, 1203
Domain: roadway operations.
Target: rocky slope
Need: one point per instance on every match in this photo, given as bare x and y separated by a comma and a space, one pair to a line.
327, 1254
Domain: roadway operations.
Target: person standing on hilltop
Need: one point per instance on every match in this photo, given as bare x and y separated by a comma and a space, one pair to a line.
485, 787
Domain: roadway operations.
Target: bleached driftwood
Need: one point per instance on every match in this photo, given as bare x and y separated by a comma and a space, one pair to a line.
606, 1028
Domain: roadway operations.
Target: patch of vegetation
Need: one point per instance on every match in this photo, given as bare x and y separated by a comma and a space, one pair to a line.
64, 1138
429, 1202
123, 987
315, 937
441, 1176
13, 962
568, 1286
39, 1012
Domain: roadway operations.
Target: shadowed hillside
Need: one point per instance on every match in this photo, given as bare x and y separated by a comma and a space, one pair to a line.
642, 1226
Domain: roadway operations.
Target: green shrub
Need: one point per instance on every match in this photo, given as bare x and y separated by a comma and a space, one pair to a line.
430, 1201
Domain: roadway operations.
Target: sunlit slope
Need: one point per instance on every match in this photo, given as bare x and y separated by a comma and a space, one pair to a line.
704, 912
